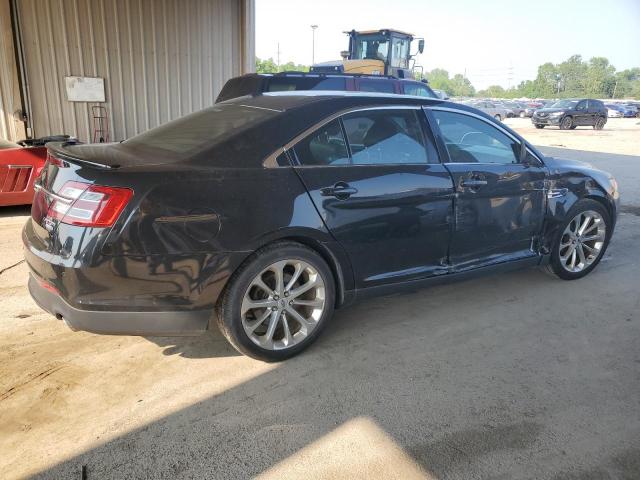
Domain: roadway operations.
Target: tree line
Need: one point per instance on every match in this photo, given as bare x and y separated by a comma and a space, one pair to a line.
574, 77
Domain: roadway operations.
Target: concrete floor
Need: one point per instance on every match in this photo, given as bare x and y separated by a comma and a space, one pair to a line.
513, 376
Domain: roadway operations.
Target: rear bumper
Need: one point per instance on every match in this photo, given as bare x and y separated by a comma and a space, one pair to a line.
170, 323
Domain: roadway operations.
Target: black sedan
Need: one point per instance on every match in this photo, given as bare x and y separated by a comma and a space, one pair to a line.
571, 113
265, 214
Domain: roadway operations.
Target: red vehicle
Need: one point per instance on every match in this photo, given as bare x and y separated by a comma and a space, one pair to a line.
19, 168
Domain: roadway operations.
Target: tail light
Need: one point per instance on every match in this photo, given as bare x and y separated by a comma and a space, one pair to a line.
88, 205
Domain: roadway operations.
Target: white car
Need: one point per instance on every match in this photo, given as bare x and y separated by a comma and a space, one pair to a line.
614, 112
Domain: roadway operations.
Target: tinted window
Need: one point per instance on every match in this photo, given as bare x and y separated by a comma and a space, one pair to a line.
196, 132
471, 140
581, 105
387, 136
418, 90
325, 146
383, 86
285, 84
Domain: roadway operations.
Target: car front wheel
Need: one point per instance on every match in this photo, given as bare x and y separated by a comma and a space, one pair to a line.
539, 126
566, 123
497, 117
581, 241
278, 302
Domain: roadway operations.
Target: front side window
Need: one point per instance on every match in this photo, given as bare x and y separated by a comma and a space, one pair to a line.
372, 47
325, 146
400, 53
582, 105
387, 137
471, 140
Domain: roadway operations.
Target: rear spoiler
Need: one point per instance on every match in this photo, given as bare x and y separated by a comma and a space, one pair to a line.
60, 150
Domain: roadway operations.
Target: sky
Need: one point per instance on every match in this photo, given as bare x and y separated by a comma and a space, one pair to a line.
496, 42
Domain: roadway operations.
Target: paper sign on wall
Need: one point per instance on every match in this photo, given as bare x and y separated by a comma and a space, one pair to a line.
85, 89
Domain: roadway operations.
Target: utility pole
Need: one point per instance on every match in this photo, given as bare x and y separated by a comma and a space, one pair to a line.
278, 56
313, 44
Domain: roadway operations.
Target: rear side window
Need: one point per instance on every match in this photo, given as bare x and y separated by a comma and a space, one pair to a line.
286, 84
418, 90
196, 132
387, 137
325, 146
371, 85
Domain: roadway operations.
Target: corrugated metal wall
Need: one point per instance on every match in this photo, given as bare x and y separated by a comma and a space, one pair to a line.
10, 129
160, 59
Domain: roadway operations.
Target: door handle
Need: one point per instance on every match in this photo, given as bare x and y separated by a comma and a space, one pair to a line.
340, 190
473, 183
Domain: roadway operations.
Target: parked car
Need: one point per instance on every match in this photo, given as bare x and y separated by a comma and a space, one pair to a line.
572, 113
516, 109
635, 105
496, 111
614, 111
628, 111
19, 168
265, 214
259, 83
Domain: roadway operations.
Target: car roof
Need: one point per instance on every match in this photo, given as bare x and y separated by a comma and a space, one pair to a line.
282, 101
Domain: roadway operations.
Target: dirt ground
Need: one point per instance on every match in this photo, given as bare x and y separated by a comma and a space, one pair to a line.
514, 376
620, 135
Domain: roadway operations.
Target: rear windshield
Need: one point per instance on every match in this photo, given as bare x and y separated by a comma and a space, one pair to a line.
197, 132
287, 84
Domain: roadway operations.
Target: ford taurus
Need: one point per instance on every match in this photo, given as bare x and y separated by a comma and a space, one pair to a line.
265, 214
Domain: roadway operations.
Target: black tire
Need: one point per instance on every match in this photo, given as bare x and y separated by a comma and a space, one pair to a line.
539, 126
555, 265
600, 122
573, 127
497, 117
566, 123
228, 309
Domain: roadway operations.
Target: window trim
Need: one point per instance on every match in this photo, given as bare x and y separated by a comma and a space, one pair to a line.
437, 130
271, 162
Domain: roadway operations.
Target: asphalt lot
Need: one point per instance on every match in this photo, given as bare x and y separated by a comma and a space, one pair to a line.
513, 376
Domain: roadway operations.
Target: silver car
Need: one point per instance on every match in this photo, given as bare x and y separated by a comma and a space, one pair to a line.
496, 111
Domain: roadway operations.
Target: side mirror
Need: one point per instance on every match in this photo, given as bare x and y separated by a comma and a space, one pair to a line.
421, 45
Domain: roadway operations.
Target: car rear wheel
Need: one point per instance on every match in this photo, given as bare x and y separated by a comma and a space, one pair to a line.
581, 241
539, 126
278, 302
497, 117
566, 123
599, 125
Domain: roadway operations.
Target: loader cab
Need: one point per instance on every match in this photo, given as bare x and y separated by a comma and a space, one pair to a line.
391, 47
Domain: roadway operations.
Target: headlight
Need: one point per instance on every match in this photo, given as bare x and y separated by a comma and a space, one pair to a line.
556, 114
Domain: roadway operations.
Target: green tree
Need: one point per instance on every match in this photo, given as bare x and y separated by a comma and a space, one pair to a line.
493, 91
439, 79
600, 78
460, 86
571, 76
270, 66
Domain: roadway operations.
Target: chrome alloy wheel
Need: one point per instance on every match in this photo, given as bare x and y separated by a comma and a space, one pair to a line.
283, 304
582, 241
